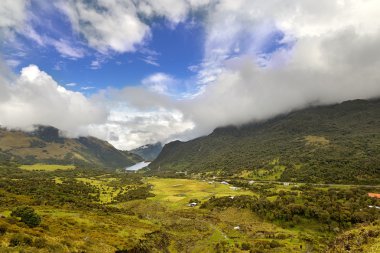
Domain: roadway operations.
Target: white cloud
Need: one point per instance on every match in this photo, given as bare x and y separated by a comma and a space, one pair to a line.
127, 128
87, 88
174, 10
329, 53
332, 57
29, 32
107, 24
96, 64
159, 82
67, 50
13, 62
35, 98
12, 13
150, 60
114, 25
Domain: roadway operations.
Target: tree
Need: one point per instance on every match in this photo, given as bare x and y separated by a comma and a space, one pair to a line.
27, 215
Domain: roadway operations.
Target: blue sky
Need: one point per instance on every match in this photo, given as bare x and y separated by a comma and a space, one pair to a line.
170, 49
137, 72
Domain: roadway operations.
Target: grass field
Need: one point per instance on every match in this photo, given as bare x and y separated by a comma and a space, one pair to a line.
107, 192
46, 167
177, 192
112, 222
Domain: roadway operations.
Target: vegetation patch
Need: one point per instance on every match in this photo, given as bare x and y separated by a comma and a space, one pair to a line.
93, 210
46, 167
316, 140
178, 192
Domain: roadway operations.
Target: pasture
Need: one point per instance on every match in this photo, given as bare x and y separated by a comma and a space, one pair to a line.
178, 192
46, 167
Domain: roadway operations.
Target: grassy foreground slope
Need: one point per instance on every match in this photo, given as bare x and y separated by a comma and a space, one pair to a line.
90, 210
46, 145
327, 144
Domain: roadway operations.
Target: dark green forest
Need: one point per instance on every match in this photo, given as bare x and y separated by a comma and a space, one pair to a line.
325, 144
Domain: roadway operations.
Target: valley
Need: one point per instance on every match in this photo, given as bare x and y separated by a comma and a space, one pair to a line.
276, 186
93, 210
189, 126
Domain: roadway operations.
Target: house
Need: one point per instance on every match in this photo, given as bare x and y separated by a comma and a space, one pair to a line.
192, 204
237, 228
251, 182
374, 195
224, 182
286, 184
232, 197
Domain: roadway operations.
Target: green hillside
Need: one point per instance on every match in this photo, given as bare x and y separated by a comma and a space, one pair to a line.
327, 144
45, 145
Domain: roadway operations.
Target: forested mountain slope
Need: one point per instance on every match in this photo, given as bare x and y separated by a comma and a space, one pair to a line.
326, 144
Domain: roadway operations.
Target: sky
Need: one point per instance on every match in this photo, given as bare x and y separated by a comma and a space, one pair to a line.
135, 72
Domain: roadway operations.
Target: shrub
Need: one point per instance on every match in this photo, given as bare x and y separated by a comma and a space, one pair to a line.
27, 215
20, 240
274, 244
246, 246
3, 229
40, 243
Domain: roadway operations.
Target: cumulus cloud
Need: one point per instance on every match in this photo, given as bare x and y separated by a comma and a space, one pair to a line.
114, 25
159, 82
34, 97
128, 128
321, 54
261, 58
106, 24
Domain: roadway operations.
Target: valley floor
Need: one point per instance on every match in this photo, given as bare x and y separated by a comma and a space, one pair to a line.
102, 211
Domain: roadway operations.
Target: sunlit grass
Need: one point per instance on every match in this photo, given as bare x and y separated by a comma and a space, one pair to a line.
178, 192
46, 167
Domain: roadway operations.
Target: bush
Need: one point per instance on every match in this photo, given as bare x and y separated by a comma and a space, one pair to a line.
27, 215
274, 244
40, 243
3, 229
20, 240
246, 246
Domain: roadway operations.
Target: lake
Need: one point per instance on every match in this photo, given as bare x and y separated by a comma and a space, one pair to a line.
137, 166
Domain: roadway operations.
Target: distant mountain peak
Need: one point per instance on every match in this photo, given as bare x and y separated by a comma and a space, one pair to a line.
46, 145
148, 152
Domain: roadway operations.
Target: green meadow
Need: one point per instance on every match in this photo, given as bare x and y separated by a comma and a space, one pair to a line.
178, 192
94, 210
46, 167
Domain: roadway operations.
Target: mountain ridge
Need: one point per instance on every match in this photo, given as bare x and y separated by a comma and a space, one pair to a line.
46, 145
311, 145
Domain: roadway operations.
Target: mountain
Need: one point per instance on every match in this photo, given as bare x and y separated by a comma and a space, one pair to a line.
148, 152
46, 145
325, 144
